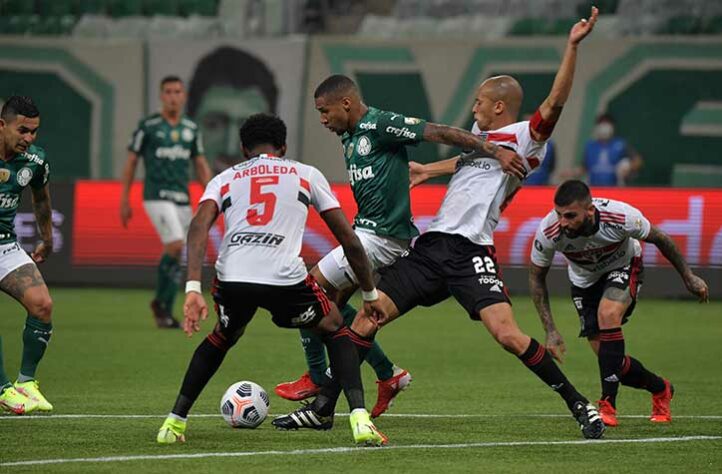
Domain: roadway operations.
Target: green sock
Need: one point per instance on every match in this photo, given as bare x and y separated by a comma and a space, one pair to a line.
168, 281
315, 353
4, 380
375, 357
36, 336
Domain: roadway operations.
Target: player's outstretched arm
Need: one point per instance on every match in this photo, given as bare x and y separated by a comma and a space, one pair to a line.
203, 171
551, 108
510, 162
194, 308
356, 255
44, 219
540, 296
420, 173
668, 248
126, 180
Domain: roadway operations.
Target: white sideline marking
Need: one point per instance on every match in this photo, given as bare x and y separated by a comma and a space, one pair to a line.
147, 457
386, 415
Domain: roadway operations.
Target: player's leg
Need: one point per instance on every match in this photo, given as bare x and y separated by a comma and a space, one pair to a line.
235, 307
26, 285
168, 220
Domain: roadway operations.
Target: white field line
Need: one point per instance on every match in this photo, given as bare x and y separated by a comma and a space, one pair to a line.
387, 415
159, 457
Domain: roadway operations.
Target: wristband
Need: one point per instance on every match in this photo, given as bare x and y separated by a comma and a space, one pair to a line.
372, 295
193, 285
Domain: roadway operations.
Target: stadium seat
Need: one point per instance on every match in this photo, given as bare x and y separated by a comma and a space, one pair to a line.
19, 24
121, 8
91, 7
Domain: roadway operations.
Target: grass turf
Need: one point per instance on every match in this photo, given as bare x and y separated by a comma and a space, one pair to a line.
107, 358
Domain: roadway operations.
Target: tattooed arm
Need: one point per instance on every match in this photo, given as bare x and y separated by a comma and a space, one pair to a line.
667, 247
540, 296
510, 162
44, 219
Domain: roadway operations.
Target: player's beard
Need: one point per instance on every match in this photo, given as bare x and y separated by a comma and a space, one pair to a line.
586, 229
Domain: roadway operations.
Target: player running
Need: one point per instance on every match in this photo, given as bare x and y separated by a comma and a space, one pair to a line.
600, 240
23, 164
374, 144
456, 256
166, 141
264, 202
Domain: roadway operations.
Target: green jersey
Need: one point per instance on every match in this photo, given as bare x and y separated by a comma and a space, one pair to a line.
378, 169
166, 150
25, 169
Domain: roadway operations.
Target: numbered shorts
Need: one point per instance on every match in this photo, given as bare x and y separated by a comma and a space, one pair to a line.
442, 265
171, 221
301, 305
12, 257
382, 251
586, 300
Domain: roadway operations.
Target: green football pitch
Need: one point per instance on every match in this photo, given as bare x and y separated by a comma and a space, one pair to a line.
471, 407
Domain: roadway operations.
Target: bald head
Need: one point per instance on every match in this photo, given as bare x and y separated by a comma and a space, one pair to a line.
337, 87
505, 89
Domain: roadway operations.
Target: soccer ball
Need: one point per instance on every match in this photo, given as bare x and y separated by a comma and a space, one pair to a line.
244, 405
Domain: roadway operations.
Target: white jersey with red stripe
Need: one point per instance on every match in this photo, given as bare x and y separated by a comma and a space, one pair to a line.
619, 227
480, 190
264, 202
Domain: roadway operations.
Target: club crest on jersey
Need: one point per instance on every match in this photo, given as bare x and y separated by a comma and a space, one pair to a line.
4, 175
411, 121
174, 135
363, 147
24, 176
187, 135
349, 151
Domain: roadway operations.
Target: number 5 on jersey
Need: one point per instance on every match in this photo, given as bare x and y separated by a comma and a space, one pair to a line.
258, 197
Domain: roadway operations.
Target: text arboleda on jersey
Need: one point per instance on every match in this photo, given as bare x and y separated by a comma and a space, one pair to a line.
356, 174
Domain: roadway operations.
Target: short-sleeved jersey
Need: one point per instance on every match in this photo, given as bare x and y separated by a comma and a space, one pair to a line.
265, 204
618, 228
378, 170
166, 150
24, 169
479, 189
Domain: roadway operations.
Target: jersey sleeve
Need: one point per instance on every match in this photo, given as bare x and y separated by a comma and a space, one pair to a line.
635, 224
214, 192
41, 176
393, 128
197, 146
136, 140
322, 197
542, 250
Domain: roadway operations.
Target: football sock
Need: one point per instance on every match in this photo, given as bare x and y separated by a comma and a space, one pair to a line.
315, 353
611, 356
169, 273
36, 336
538, 360
634, 374
205, 362
376, 357
4, 380
345, 366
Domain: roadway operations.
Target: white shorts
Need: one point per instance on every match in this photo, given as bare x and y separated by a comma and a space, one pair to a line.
382, 251
170, 220
12, 256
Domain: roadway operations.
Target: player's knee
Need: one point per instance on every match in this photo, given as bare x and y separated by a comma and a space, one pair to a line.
512, 340
230, 336
608, 318
363, 326
174, 249
41, 308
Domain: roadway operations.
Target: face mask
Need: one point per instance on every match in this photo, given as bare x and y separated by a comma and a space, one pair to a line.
603, 131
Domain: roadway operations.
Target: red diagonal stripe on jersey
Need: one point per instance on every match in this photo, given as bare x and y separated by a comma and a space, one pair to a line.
551, 229
305, 185
606, 218
501, 137
225, 188
533, 162
612, 214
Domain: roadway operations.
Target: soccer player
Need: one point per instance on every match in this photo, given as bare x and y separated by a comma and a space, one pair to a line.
264, 202
456, 256
23, 164
166, 141
600, 240
374, 145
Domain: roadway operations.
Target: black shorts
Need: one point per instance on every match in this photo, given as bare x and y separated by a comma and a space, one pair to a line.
586, 300
442, 265
301, 305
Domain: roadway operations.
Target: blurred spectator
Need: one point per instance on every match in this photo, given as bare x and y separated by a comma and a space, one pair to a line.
609, 160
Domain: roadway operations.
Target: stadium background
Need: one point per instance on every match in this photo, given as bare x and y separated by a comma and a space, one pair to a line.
93, 67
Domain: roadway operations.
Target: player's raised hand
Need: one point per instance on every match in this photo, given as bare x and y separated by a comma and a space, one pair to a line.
555, 345
194, 310
376, 312
698, 287
41, 252
511, 163
417, 174
583, 27
125, 213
